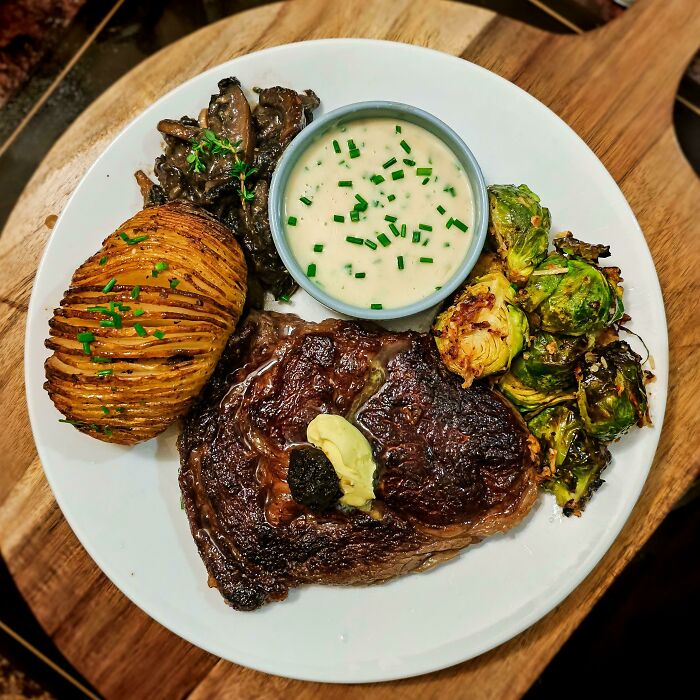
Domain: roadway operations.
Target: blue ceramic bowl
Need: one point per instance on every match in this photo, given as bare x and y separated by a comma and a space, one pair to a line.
363, 110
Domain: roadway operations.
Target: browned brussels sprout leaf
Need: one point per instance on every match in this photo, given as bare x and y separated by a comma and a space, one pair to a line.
566, 244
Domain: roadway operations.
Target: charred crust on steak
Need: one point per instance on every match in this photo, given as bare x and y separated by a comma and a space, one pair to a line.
454, 465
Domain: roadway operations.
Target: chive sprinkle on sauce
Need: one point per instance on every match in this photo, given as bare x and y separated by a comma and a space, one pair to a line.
109, 286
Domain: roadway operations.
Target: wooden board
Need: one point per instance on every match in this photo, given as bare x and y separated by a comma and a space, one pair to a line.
615, 86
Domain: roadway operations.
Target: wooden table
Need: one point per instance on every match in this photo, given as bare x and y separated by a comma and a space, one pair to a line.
615, 86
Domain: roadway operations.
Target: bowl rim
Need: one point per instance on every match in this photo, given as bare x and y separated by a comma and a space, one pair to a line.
359, 110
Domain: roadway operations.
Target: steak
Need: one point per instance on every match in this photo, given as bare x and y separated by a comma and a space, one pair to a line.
454, 465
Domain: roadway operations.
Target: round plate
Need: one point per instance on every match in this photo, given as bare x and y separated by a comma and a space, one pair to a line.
124, 503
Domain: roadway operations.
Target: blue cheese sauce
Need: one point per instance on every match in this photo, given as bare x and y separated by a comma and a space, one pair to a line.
379, 213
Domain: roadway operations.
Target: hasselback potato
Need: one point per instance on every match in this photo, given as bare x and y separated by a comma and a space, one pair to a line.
144, 322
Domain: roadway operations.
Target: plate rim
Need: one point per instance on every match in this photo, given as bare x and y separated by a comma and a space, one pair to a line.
424, 662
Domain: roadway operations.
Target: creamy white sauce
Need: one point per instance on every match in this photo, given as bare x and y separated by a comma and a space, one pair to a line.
396, 262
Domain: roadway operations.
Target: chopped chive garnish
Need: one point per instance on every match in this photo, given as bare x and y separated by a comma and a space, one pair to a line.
460, 225
361, 206
86, 349
384, 239
440, 208
109, 286
405, 146
424, 171
283, 297
140, 330
103, 260
311, 270
403, 230
292, 220
377, 179
344, 183
85, 337
399, 262
174, 282
416, 237
388, 217
355, 153
370, 244
159, 334
135, 292
305, 200
425, 242
339, 218
351, 144
449, 223
161, 266
360, 199
398, 129
426, 260
410, 163
389, 163
108, 323
121, 409
397, 174
394, 230
425, 181
102, 360
354, 215
376, 306
105, 372
132, 241
355, 240
139, 312
318, 248
360, 275
97, 309
425, 227
105, 410
391, 197
451, 190
336, 146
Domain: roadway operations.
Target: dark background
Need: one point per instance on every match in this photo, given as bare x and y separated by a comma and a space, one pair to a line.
56, 57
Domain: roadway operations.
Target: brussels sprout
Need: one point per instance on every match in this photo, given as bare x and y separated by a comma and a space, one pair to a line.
548, 364
481, 332
574, 459
566, 244
528, 398
518, 229
571, 296
611, 394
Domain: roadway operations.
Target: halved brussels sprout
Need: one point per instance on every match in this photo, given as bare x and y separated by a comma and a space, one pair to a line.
482, 331
574, 459
528, 398
548, 364
572, 296
543, 375
518, 229
611, 393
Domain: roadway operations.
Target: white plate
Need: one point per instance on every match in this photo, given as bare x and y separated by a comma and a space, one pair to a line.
124, 503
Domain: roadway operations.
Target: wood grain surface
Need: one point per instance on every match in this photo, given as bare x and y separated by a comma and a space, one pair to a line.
615, 86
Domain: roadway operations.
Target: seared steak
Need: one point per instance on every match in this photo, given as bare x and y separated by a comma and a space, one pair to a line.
454, 465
